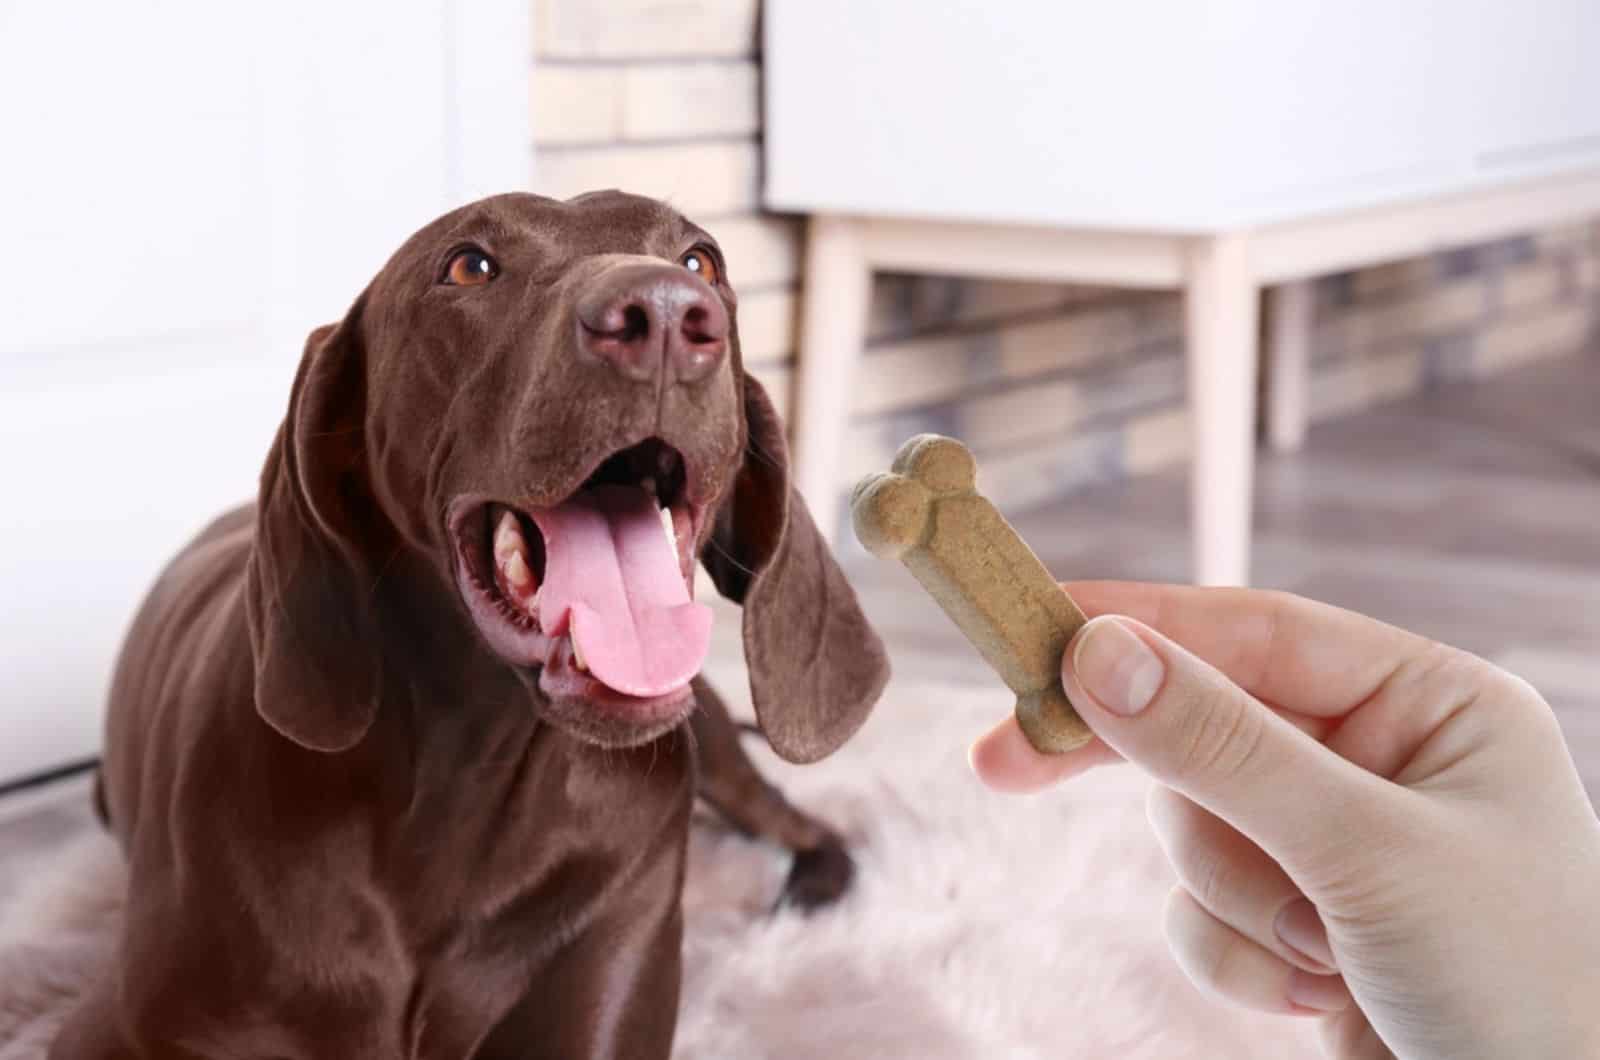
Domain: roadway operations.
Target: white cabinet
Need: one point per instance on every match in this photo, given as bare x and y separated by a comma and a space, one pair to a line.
186, 189
1150, 114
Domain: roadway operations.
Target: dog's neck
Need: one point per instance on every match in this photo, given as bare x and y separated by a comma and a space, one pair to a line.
452, 710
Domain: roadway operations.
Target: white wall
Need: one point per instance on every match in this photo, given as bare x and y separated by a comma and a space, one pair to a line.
186, 189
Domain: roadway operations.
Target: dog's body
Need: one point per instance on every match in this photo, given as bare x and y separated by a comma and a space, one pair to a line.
374, 802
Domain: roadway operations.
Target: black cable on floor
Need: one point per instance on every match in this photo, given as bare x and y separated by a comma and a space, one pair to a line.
49, 776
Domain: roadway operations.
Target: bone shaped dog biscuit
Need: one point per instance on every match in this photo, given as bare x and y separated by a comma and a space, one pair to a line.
927, 513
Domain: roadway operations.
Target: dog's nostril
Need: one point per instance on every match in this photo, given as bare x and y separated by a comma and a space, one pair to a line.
635, 323
697, 327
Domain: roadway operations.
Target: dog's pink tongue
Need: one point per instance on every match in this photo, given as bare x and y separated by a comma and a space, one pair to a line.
613, 582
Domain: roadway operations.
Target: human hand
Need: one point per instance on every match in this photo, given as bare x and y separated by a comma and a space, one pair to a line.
1368, 826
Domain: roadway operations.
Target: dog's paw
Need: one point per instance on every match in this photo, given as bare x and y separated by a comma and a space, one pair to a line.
819, 876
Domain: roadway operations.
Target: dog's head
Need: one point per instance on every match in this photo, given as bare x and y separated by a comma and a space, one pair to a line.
545, 401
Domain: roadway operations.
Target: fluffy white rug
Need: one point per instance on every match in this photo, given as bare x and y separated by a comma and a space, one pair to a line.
979, 926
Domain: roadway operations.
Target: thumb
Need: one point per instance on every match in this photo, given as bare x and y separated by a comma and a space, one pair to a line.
1194, 730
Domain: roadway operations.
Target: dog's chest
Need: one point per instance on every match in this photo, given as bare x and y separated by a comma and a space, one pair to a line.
516, 882
510, 822
442, 897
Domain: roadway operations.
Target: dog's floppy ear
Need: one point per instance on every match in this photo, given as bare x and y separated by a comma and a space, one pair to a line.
307, 587
816, 666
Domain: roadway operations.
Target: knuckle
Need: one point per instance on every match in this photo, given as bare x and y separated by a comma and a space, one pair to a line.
1201, 867
1513, 696
1206, 874
1439, 673
1518, 689
1202, 953
1449, 681
1278, 605
1461, 673
1358, 879
1213, 967
1219, 737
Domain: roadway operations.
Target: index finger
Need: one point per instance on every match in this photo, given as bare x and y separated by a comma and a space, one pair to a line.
1291, 652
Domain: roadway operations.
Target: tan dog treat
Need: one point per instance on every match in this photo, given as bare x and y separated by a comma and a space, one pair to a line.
927, 513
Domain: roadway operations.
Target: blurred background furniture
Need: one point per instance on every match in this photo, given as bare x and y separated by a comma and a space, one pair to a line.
1249, 145
192, 189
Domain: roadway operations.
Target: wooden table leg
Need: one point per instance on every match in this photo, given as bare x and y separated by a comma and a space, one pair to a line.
1221, 319
1290, 311
833, 326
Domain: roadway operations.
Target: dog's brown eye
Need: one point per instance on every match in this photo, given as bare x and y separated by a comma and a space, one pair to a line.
469, 268
701, 262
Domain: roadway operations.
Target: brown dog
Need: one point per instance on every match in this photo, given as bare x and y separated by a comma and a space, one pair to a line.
402, 757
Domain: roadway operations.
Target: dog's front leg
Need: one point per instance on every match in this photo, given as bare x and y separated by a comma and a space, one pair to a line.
93, 1031
727, 779
613, 992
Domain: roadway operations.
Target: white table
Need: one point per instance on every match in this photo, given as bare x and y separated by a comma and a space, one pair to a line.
1220, 274
1222, 149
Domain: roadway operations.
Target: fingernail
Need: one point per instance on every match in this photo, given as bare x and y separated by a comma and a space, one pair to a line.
1319, 993
1301, 929
1117, 667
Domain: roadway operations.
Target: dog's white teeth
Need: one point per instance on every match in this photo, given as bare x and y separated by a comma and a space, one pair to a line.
511, 553
672, 531
577, 658
516, 570
507, 538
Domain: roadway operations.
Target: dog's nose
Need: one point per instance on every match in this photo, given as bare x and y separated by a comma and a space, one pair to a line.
648, 320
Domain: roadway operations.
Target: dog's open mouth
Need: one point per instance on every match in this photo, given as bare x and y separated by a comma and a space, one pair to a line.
597, 590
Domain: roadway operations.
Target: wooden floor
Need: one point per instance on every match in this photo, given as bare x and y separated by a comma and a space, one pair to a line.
1471, 514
